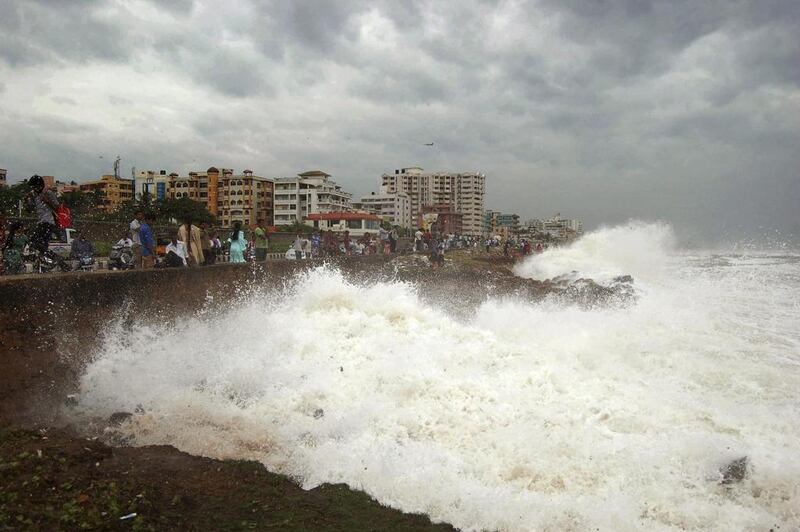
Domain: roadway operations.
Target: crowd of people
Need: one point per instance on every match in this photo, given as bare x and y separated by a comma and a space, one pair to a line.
196, 244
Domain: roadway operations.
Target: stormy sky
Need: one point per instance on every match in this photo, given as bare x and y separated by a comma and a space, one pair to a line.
605, 110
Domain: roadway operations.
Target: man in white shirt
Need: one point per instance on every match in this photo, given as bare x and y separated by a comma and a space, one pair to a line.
125, 242
176, 253
134, 226
418, 240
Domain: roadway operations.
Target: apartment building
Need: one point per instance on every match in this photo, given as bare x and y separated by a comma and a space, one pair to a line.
230, 197
308, 193
464, 192
113, 191
557, 227
394, 208
495, 222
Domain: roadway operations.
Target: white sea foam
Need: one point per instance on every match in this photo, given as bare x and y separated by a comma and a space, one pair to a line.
637, 248
527, 417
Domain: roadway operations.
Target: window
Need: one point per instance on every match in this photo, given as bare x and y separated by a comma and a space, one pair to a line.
354, 224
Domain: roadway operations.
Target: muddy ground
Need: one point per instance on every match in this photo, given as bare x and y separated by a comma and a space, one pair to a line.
53, 477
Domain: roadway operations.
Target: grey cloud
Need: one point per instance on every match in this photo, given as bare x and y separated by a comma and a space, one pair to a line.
42, 31
598, 113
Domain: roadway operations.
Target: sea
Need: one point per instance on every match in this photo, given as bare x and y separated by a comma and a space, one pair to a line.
516, 415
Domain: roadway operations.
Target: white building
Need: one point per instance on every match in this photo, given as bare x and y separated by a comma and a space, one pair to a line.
355, 223
462, 192
394, 208
557, 227
155, 183
308, 193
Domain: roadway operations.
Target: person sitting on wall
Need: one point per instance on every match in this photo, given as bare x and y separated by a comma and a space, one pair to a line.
175, 253
125, 241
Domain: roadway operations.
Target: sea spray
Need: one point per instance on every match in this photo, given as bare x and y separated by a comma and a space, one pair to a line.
638, 248
522, 417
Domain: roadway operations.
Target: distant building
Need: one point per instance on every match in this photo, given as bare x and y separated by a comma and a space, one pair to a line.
3, 176
64, 188
441, 219
357, 223
557, 228
495, 222
230, 197
394, 208
463, 192
154, 183
113, 191
308, 193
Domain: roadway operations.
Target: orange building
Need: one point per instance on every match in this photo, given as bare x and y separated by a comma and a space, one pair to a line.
246, 198
114, 191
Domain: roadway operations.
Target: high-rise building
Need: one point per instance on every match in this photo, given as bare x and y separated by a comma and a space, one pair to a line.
3, 174
113, 191
394, 208
308, 193
463, 192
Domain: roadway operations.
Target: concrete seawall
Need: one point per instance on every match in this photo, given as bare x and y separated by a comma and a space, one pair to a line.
50, 324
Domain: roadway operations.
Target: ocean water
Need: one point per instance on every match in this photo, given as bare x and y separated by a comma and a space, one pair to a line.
545, 416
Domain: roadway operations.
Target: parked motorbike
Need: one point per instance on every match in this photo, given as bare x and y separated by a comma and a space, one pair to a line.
84, 263
48, 262
120, 258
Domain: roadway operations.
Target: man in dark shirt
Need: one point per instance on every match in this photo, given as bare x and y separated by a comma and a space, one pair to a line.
81, 247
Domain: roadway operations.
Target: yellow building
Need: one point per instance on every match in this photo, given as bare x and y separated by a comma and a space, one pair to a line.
114, 191
246, 198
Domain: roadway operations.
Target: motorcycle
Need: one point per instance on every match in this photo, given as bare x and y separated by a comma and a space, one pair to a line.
120, 258
48, 262
84, 263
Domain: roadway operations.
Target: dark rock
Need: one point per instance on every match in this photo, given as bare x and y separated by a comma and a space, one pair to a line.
118, 418
318, 413
623, 279
734, 471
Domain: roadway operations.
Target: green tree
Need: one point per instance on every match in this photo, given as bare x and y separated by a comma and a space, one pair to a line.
182, 208
79, 203
11, 196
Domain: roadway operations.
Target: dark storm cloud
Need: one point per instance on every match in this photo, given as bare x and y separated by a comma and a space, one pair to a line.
39, 31
604, 109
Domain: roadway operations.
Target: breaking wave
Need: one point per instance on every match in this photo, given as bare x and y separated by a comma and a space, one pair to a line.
523, 417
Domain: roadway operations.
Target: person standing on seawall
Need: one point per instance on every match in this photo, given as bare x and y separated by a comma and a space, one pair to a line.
45, 203
393, 240
147, 242
189, 234
136, 248
297, 246
238, 243
205, 243
261, 242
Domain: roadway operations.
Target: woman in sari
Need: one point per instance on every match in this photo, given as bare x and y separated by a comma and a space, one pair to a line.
238, 243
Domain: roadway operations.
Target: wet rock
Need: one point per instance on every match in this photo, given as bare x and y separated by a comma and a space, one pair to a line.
71, 400
118, 418
734, 471
318, 413
623, 279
